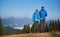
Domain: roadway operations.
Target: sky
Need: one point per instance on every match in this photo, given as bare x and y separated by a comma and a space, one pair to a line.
25, 8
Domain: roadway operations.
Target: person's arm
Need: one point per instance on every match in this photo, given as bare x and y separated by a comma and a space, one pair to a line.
45, 13
39, 13
38, 16
33, 17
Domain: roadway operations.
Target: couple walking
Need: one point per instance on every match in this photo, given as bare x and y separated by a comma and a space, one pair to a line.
39, 16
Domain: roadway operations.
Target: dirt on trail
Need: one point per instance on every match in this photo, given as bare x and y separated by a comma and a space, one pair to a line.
33, 35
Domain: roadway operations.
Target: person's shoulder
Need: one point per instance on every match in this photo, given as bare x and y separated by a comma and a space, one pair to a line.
40, 10
44, 9
34, 12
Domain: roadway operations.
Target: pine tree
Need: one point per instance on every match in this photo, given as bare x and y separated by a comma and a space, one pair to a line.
58, 23
46, 28
32, 28
52, 26
1, 32
26, 28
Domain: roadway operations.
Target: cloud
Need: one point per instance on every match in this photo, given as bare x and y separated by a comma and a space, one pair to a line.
18, 28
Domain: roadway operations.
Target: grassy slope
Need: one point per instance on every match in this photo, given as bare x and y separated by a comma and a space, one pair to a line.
34, 35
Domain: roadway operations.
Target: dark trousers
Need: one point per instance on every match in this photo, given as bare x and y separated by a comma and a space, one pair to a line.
36, 26
42, 25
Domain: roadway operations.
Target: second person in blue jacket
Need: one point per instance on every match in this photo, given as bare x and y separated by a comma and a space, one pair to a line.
43, 14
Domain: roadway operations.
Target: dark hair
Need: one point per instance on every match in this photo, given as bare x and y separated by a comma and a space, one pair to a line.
36, 10
42, 7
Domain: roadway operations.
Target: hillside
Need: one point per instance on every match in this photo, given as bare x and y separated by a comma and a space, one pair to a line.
8, 31
34, 35
16, 22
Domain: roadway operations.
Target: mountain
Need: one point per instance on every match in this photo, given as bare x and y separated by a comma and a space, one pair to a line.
16, 22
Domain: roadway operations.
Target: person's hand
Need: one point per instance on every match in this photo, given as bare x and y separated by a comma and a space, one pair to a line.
41, 18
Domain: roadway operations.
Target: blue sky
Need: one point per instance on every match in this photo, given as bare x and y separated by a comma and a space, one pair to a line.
25, 8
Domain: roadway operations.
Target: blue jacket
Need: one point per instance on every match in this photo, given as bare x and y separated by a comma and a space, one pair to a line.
42, 13
35, 16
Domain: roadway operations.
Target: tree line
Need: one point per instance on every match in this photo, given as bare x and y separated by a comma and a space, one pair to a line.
54, 25
1, 31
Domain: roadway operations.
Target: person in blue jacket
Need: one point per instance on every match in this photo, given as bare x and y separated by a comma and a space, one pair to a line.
35, 19
43, 14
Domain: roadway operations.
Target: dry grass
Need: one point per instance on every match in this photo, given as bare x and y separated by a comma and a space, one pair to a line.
57, 34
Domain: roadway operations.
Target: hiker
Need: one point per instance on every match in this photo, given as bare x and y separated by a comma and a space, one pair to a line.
35, 19
43, 15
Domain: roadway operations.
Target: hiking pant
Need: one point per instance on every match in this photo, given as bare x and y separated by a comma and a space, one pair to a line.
36, 26
42, 25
